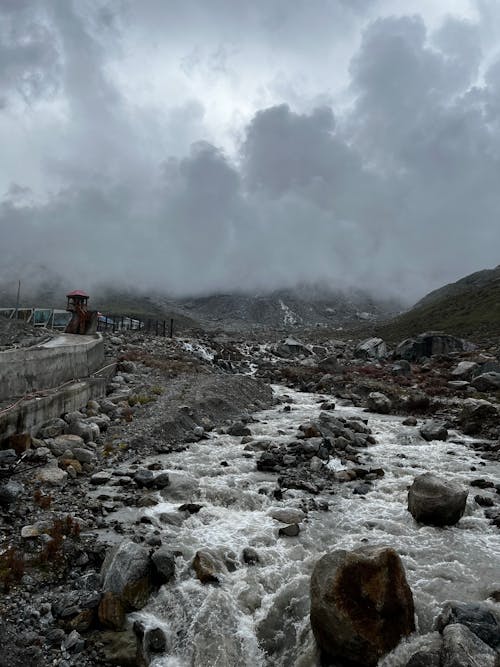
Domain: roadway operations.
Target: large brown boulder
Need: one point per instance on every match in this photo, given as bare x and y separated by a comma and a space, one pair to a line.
361, 604
436, 501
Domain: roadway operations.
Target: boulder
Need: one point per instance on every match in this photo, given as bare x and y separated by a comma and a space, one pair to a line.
10, 491
481, 619
433, 430
81, 429
52, 475
371, 348
208, 566
7, 457
464, 370
164, 564
287, 514
403, 367
429, 343
289, 531
361, 604
111, 611
126, 572
487, 382
462, 648
291, 347
378, 402
436, 501
238, 429
51, 428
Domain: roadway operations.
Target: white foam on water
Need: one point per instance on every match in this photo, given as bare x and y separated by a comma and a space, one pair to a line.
258, 615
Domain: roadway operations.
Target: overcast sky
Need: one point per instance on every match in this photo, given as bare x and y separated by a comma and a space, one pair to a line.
193, 146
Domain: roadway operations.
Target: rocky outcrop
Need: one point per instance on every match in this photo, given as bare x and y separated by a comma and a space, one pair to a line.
436, 501
361, 604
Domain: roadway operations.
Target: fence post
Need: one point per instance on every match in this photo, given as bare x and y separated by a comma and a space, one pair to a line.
156, 327
171, 327
164, 328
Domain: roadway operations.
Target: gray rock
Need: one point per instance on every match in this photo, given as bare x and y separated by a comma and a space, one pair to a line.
101, 477
428, 344
51, 428
144, 478
83, 455
403, 367
287, 514
462, 648
436, 501
433, 430
7, 456
464, 370
81, 429
378, 402
250, 556
52, 475
74, 642
161, 480
479, 617
126, 573
239, 429
487, 381
75, 416
209, 566
371, 348
155, 641
10, 492
291, 347
289, 531
361, 605
164, 563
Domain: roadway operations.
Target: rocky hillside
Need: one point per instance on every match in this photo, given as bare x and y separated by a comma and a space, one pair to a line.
469, 307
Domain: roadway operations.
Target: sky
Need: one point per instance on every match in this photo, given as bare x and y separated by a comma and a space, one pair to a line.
200, 146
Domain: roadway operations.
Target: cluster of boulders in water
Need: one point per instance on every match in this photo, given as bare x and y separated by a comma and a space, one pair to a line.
361, 604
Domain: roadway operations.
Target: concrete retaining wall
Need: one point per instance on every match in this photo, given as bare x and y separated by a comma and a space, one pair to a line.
49, 365
30, 414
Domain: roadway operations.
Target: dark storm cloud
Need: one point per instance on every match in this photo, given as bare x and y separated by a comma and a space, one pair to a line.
395, 191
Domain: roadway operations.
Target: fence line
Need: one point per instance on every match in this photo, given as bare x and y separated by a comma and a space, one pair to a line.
115, 323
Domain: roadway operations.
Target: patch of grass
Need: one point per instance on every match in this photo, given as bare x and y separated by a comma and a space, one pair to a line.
473, 312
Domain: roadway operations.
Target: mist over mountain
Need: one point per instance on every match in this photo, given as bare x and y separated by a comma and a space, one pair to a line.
163, 147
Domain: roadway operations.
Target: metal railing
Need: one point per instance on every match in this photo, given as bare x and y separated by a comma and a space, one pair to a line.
116, 323
49, 318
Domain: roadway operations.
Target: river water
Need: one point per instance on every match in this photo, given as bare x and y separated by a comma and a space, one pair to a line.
258, 615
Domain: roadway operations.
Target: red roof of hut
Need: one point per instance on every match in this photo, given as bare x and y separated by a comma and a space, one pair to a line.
78, 292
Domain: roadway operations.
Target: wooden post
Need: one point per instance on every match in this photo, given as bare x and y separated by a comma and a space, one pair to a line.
156, 327
171, 327
164, 328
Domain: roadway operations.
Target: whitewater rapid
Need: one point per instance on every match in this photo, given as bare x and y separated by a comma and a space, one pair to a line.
258, 615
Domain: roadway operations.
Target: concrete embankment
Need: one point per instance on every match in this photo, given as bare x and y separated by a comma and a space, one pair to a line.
67, 357
44, 381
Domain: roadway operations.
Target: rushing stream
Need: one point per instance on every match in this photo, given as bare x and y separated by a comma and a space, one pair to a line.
258, 615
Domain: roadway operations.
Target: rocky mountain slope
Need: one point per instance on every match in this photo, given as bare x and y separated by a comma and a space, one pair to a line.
469, 307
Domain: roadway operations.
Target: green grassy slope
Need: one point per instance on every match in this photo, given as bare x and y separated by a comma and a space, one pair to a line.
470, 308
